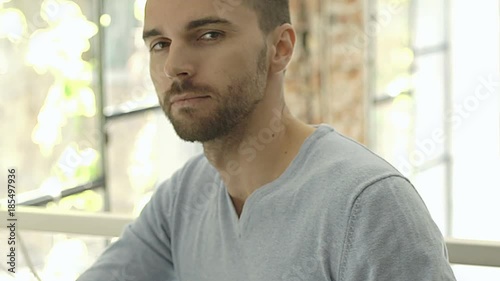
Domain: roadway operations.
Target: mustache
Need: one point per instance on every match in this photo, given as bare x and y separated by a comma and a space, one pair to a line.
180, 87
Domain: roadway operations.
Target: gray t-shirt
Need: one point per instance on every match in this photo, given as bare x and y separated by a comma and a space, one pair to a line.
338, 212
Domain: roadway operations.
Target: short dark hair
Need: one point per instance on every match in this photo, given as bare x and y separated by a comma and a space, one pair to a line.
271, 13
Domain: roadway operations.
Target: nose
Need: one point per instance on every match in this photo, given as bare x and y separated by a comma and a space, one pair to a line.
178, 63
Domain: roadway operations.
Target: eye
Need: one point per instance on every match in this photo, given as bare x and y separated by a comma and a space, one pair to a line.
213, 34
158, 46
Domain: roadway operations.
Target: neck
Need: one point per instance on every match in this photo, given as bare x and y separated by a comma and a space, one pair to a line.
256, 152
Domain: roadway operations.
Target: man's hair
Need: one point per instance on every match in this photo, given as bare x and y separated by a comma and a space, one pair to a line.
271, 13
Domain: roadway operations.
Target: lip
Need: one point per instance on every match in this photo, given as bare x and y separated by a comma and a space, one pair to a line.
184, 97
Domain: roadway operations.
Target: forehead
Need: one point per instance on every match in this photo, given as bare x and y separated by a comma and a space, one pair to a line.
171, 16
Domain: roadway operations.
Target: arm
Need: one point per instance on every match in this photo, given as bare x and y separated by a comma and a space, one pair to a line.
143, 251
392, 237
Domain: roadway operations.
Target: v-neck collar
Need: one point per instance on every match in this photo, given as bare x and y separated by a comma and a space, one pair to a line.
264, 190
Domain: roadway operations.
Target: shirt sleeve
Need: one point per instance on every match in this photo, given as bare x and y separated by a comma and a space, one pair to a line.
143, 251
391, 236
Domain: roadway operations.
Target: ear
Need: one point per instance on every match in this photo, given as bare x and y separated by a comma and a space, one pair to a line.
283, 37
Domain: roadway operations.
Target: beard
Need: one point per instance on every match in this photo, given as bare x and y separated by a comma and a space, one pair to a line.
232, 107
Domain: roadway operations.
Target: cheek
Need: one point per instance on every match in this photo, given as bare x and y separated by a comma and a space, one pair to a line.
229, 60
229, 71
160, 81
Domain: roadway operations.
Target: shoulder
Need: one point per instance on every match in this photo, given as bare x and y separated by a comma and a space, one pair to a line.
389, 227
340, 175
344, 166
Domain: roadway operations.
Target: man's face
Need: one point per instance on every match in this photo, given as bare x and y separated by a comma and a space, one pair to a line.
209, 77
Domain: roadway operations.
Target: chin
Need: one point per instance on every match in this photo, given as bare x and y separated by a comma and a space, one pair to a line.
193, 131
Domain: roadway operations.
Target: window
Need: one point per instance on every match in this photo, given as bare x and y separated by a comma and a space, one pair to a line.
82, 117
437, 118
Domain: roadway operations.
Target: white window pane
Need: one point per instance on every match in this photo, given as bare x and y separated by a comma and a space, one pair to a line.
476, 193
429, 106
475, 273
475, 119
429, 23
393, 55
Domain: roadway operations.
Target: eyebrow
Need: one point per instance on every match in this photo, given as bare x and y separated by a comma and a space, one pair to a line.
191, 25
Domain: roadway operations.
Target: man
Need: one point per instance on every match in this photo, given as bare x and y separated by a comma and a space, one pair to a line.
271, 198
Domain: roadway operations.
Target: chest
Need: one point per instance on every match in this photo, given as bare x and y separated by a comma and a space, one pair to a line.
212, 246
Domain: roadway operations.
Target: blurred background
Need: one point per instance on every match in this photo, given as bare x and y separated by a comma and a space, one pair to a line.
417, 81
